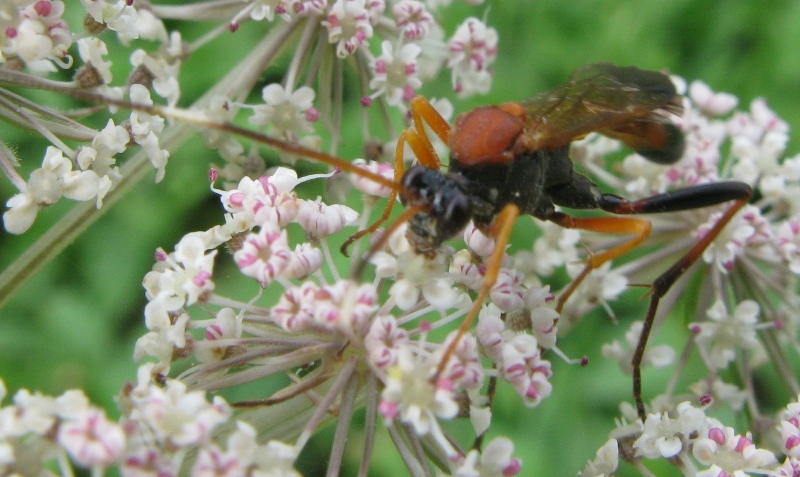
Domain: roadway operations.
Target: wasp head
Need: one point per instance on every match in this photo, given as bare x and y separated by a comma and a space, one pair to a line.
446, 208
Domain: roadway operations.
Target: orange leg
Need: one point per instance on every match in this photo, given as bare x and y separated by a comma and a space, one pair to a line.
501, 231
609, 225
422, 112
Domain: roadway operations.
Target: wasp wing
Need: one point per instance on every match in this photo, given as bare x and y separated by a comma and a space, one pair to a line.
626, 103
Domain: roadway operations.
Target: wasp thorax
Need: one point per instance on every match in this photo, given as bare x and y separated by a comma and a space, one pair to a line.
446, 208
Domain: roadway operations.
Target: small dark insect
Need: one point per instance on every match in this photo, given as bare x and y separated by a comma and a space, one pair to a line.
512, 159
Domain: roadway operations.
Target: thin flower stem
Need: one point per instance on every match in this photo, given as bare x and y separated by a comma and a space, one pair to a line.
326, 251
338, 104
304, 386
325, 84
342, 426
37, 126
363, 222
222, 301
279, 364
369, 424
642, 469
8, 165
771, 343
55, 121
220, 29
300, 55
211, 10
604, 175
64, 465
747, 380
413, 465
312, 68
680, 366
324, 406
417, 447
388, 124
316, 61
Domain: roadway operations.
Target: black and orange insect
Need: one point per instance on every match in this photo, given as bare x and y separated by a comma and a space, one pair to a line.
513, 159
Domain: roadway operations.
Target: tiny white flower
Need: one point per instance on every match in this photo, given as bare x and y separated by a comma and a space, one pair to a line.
286, 112
605, 462
394, 73
348, 24
410, 396
322, 220
118, 15
22, 210
413, 19
92, 50
727, 453
713, 104
656, 356
264, 255
91, 439
184, 418
473, 48
495, 460
304, 261
724, 334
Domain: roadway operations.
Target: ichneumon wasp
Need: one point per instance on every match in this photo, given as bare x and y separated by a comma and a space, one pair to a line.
513, 159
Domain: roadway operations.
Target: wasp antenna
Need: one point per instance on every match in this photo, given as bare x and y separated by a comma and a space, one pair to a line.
197, 118
643, 285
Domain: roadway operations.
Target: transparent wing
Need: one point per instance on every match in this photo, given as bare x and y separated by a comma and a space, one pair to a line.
627, 103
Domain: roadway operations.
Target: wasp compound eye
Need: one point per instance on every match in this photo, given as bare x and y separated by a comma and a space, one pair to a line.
457, 213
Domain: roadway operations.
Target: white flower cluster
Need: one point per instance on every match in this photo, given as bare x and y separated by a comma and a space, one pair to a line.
37, 35
162, 424
319, 314
415, 54
702, 446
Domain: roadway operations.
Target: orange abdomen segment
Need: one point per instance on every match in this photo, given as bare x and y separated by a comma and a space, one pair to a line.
485, 136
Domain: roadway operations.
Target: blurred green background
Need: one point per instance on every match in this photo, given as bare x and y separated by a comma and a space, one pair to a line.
75, 323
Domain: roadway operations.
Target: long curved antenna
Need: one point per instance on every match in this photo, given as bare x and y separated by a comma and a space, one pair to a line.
197, 118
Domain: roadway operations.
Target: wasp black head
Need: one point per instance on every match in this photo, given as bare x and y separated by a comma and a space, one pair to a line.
446, 208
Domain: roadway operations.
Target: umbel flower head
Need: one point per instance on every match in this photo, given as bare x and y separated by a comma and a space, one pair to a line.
349, 342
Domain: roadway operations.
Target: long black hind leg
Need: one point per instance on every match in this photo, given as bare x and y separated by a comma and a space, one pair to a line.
690, 198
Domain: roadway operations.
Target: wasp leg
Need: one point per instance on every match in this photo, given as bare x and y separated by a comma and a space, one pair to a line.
608, 225
422, 112
501, 231
690, 198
